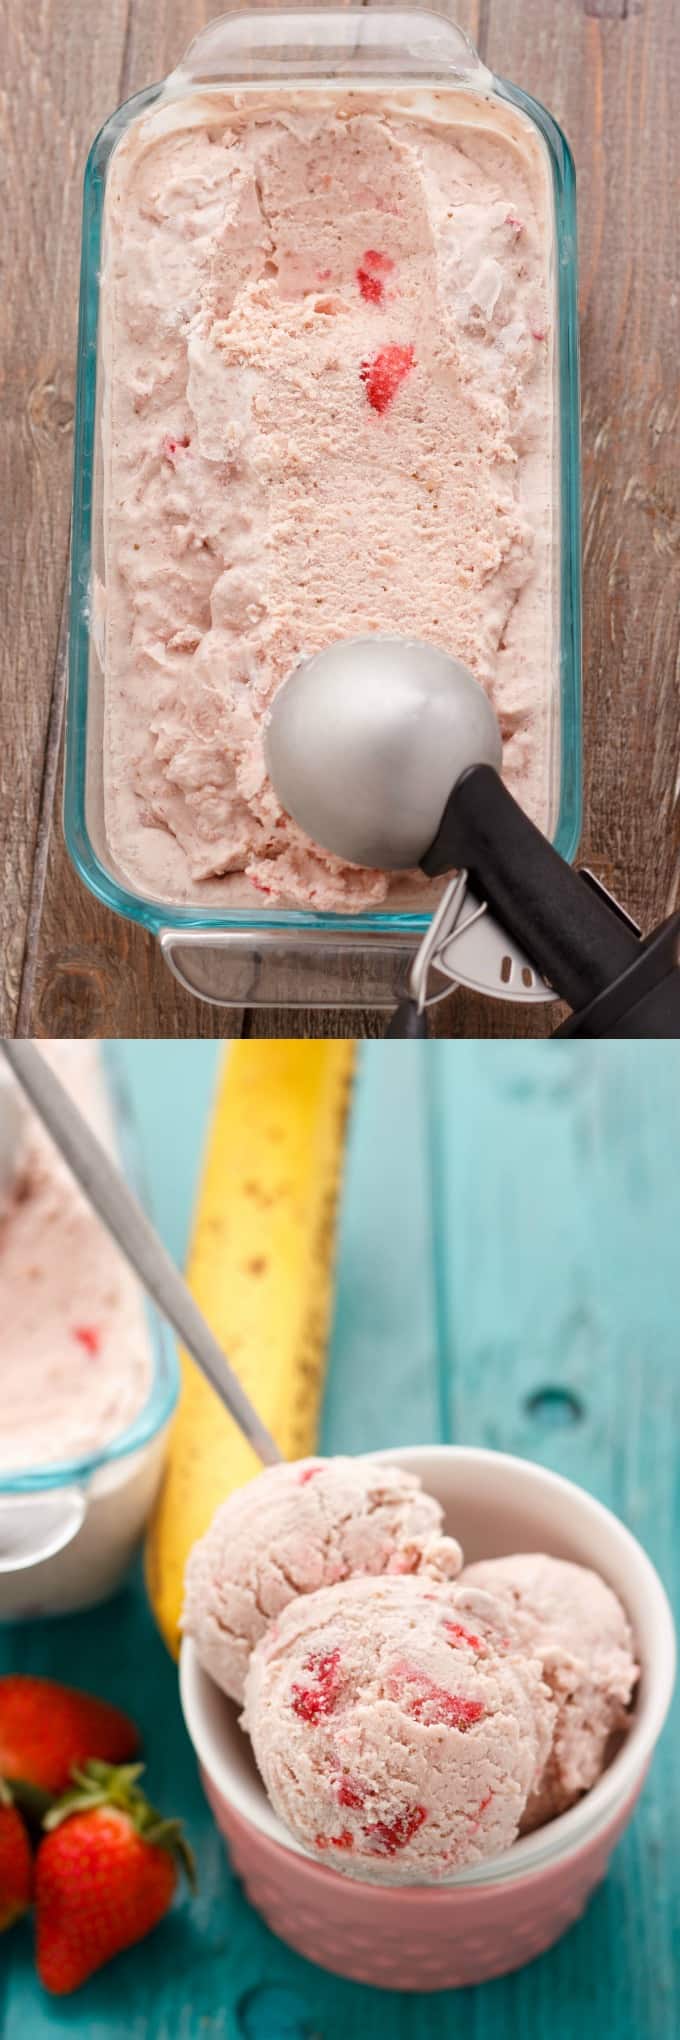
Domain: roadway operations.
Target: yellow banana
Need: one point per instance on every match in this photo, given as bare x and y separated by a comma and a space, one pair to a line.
260, 1266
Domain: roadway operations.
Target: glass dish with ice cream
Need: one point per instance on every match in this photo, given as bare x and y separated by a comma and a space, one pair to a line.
450, 1755
327, 385
90, 1373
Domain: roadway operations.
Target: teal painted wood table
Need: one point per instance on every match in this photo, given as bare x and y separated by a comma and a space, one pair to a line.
509, 1274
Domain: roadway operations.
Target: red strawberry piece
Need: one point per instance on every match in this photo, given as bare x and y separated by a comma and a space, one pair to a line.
437, 1705
388, 1836
313, 1701
16, 1862
430, 1703
475, 1818
46, 1728
374, 259
372, 287
89, 1337
372, 269
308, 1473
106, 1872
457, 1634
383, 375
349, 1792
173, 447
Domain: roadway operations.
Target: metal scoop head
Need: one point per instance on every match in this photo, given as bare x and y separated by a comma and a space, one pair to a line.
366, 740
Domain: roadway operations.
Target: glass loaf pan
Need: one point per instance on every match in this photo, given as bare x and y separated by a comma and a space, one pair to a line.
274, 956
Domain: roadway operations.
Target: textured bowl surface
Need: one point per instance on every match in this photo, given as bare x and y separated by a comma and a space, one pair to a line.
417, 1937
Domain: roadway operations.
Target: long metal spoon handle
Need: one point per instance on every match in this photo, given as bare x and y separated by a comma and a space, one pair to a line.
108, 1193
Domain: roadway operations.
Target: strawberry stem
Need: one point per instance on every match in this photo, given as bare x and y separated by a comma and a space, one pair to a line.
98, 1784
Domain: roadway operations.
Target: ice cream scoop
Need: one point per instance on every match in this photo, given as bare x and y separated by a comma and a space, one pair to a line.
398, 1726
578, 1628
365, 741
387, 751
296, 1528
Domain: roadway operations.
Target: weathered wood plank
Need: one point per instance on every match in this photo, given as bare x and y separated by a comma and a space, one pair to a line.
96, 974
611, 83
61, 70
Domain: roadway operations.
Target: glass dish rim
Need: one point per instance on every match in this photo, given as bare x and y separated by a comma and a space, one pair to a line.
157, 915
165, 1383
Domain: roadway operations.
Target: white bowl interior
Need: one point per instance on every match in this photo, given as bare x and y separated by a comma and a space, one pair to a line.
494, 1505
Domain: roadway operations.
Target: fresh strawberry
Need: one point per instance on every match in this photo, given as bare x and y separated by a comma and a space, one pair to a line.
46, 1728
16, 1862
105, 1874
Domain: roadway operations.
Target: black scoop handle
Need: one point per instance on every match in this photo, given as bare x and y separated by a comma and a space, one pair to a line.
578, 942
407, 1024
645, 1001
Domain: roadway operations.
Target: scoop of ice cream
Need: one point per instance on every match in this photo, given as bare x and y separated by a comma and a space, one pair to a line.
579, 1629
296, 1528
399, 1726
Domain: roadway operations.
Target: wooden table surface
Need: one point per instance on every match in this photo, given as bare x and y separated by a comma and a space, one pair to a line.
610, 71
508, 1276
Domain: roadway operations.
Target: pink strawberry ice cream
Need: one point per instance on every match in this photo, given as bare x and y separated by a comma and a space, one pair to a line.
574, 1623
327, 359
76, 1362
12, 1120
399, 1728
293, 1529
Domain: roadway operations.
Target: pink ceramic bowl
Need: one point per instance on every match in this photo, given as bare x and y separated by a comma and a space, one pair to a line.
498, 1915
